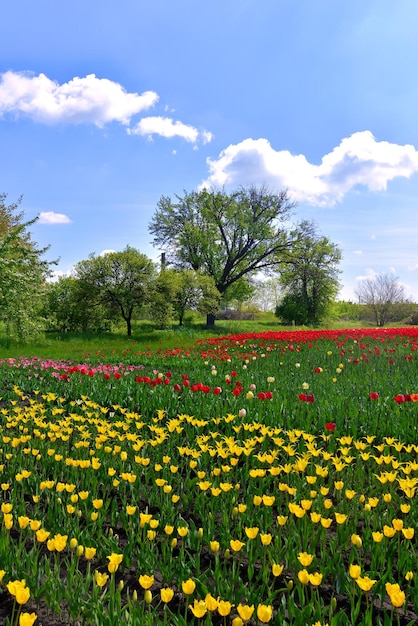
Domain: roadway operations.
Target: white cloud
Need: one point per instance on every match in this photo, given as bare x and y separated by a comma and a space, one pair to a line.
57, 274
369, 275
49, 217
359, 252
359, 160
413, 267
80, 100
104, 252
168, 128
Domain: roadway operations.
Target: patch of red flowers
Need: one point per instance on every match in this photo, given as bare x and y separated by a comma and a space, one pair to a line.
306, 397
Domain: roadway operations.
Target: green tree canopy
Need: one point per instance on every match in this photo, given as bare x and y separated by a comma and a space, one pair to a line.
310, 276
121, 281
226, 236
66, 308
23, 272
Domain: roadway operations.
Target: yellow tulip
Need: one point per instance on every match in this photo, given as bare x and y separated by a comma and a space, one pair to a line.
114, 561
408, 533
266, 539
305, 559
146, 581
211, 602
398, 599
224, 608
100, 579
303, 576
188, 586
90, 553
264, 613
42, 535
245, 611
315, 579
277, 569
166, 594
251, 532
236, 544
27, 619
365, 583
198, 608
355, 571
22, 594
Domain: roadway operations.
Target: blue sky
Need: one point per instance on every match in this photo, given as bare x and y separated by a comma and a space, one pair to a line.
106, 106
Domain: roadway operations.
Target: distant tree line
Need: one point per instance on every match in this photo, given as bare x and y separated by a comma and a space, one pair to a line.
220, 252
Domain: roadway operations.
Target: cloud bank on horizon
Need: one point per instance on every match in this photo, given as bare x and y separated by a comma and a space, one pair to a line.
358, 161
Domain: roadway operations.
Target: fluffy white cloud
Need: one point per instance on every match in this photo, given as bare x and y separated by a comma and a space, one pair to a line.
89, 99
358, 160
49, 217
167, 127
108, 251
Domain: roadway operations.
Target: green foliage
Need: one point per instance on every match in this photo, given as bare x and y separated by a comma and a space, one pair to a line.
119, 281
293, 310
310, 276
227, 237
22, 275
66, 309
194, 291
161, 297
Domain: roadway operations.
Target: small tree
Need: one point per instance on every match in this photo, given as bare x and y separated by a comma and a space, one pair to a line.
162, 296
66, 308
194, 291
121, 281
310, 276
384, 300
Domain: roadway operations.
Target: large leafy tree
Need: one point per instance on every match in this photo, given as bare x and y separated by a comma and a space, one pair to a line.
23, 271
310, 276
228, 237
121, 281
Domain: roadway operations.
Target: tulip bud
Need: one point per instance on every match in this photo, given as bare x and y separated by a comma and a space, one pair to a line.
148, 596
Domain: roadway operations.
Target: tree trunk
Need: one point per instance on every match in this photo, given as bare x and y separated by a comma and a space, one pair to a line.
129, 327
210, 320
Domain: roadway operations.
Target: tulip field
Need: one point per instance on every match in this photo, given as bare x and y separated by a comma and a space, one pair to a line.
249, 479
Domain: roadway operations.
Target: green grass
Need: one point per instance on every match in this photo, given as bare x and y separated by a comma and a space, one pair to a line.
146, 336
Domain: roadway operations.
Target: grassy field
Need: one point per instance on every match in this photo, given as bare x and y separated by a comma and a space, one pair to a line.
145, 336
